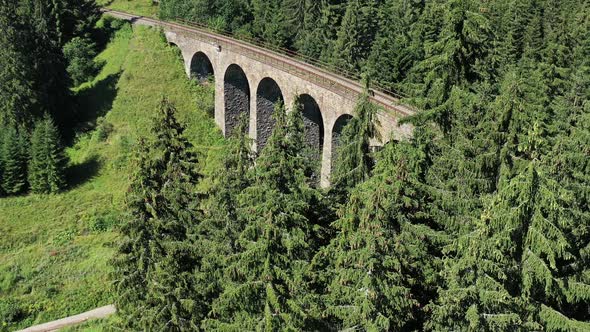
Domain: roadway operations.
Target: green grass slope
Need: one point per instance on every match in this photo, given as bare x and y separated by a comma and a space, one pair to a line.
54, 250
139, 7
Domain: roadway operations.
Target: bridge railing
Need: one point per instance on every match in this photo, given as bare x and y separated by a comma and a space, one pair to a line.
330, 68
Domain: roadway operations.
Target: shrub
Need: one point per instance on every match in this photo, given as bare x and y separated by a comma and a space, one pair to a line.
80, 53
103, 130
10, 311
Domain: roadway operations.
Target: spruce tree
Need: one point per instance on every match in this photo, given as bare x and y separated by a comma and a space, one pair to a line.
17, 92
356, 35
265, 288
48, 160
393, 54
354, 162
133, 261
221, 225
379, 269
271, 23
14, 160
450, 61
157, 260
44, 47
518, 269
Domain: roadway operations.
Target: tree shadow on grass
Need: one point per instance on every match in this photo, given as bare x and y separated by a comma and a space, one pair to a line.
95, 101
79, 174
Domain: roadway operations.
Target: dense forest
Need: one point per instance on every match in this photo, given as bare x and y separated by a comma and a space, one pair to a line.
479, 222
45, 49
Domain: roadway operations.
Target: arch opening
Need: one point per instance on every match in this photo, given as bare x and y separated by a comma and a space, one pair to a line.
201, 67
268, 95
314, 124
341, 122
237, 99
176, 51
313, 133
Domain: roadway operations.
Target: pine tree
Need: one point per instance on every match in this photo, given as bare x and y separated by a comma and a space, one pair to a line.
518, 269
156, 263
353, 161
14, 163
380, 270
356, 35
17, 93
265, 289
220, 228
48, 160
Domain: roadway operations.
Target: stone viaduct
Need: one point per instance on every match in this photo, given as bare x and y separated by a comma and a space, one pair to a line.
249, 80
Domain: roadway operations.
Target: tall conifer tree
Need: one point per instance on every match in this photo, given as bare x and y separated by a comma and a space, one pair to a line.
356, 35
48, 159
354, 162
380, 266
265, 287
15, 155
156, 263
221, 226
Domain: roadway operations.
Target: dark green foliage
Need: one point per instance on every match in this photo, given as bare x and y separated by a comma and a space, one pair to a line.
517, 263
15, 155
265, 287
33, 77
393, 53
48, 160
220, 228
157, 260
379, 266
80, 53
354, 161
17, 91
478, 223
356, 35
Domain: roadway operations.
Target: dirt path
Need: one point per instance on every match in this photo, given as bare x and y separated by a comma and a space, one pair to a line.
101, 312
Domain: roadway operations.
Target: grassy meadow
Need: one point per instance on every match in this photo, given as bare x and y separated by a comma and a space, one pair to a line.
140, 7
55, 250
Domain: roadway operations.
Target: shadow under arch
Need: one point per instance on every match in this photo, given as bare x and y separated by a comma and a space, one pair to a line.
268, 95
237, 98
314, 124
201, 67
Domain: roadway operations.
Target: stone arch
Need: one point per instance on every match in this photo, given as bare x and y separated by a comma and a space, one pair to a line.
237, 98
314, 124
339, 125
267, 95
201, 68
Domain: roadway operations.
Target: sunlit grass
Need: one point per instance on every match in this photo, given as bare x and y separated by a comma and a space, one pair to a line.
139, 7
54, 250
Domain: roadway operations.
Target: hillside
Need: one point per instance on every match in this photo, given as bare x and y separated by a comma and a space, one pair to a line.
477, 222
55, 249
